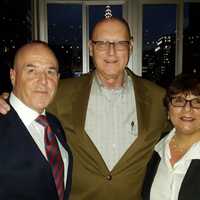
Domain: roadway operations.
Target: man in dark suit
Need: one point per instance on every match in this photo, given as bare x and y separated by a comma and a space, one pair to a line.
36, 162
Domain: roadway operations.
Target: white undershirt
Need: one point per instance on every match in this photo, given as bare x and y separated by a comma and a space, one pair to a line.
36, 130
111, 120
168, 179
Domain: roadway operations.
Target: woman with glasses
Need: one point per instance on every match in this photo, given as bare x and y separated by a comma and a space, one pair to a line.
173, 173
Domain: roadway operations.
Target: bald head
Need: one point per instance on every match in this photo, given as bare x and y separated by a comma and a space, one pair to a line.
107, 22
33, 47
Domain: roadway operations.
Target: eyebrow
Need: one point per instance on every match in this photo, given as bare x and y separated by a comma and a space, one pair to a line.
30, 65
50, 67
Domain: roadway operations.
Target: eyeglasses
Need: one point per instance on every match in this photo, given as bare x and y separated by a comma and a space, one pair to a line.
181, 102
104, 45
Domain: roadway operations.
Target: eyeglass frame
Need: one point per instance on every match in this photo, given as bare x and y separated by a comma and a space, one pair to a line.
186, 101
108, 43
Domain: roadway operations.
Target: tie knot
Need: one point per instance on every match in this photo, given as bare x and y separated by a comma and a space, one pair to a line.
42, 119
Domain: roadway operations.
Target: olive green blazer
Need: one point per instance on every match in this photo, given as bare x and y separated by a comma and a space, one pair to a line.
91, 178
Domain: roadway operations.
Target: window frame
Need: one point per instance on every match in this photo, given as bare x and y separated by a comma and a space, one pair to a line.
179, 30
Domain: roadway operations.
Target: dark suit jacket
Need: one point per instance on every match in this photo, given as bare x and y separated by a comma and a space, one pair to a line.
25, 174
190, 187
91, 178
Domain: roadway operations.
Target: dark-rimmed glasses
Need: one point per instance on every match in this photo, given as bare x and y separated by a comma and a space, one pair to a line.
105, 45
181, 102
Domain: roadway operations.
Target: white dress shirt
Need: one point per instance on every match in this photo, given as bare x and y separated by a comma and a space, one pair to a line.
168, 179
36, 130
111, 120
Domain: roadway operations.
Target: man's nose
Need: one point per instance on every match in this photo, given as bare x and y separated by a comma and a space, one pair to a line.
111, 49
42, 76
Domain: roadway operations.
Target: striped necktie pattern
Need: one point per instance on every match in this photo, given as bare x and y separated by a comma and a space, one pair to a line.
53, 155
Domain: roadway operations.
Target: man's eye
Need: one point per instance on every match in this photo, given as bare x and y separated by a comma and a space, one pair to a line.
52, 72
197, 100
101, 43
30, 70
179, 99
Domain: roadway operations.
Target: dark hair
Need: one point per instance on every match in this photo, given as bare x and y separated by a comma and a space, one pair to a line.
185, 84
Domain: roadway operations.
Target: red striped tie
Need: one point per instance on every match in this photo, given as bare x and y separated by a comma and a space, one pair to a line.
53, 155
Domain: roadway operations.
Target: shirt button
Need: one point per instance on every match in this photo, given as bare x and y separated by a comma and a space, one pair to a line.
109, 177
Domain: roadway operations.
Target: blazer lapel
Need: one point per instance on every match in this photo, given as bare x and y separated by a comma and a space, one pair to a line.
79, 112
79, 107
190, 187
150, 175
22, 136
23, 133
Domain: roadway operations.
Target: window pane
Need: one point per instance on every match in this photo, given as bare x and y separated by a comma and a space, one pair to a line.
159, 28
65, 36
191, 39
96, 13
16, 28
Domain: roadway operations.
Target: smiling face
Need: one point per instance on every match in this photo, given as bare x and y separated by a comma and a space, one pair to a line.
110, 63
35, 76
185, 119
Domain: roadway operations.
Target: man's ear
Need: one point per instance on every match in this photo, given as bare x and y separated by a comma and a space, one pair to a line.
58, 76
131, 45
12, 76
90, 48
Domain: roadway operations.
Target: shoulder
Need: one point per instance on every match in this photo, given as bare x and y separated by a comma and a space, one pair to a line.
76, 81
146, 85
69, 86
11, 115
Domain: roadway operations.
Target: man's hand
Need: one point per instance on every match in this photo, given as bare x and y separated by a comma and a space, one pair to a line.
4, 107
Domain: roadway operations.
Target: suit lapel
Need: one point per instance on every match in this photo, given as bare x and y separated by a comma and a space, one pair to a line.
23, 133
30, 149
190, 187
57, 130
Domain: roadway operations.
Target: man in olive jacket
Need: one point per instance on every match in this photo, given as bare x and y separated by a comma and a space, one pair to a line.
94, 178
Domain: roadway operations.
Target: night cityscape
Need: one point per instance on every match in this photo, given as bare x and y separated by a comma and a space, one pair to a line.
159, 50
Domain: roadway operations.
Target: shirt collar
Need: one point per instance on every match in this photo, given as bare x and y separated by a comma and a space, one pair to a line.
163, 147
100, 83
26, 114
